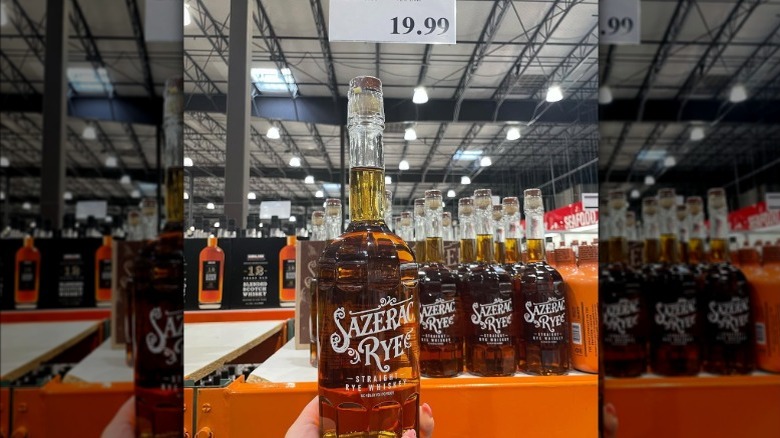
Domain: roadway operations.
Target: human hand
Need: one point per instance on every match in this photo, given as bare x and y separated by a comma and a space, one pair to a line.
610, 421
307, 425
123, 423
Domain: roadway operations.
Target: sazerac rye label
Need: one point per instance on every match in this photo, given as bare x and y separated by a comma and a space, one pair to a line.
368, 302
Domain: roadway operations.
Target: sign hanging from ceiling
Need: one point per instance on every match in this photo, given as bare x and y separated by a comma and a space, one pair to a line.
392, 21
164, 21
619, 22
754, 217
571, 217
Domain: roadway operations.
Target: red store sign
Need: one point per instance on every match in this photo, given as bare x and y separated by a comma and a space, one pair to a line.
754, 217
570, 217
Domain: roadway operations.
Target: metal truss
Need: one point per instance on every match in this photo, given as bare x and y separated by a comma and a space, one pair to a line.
471, 134
131, 135
138, 33
198, 76
212, 29
12, 75
426, 164
424, 64
322, 32
480, 51
315, 133
272, 44
541, 35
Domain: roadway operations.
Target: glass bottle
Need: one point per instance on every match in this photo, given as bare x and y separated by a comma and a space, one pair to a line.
623, 308
468, 240
419, 229
389, 210
543, 301
159, 320
318, 234
405, 228
513, 233
499, 250
446, 226
211, 262
491, 326
441, 338
697, 234
675, 348
332, 218
28, 275
369, 371
287, 273
103, 273
683, 231
725, 302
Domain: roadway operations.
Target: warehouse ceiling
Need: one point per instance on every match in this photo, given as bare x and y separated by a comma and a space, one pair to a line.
110, 70
679, 80
496, 77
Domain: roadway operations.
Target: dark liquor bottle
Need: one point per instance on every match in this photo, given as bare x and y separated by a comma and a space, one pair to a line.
725, 303
159, 313
441, 338
623, 310
369, 370
675, 348
419, 229
27, 275
488, 300
211, 275
543, 301
513, 235
389, 209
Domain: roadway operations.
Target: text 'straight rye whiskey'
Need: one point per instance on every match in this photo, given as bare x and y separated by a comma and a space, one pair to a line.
368, 303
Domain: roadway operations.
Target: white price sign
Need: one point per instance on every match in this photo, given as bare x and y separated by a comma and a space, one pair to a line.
590, 201
619, 21
392, 21
773, 201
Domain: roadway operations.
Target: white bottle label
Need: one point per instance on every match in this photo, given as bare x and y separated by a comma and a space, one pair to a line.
622, 315
678, 316
495, 316
438, 315
167, 337
368, 325
547, 315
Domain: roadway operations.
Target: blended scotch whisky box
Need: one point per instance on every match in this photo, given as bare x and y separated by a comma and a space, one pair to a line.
306, 256
254, 272
207, 282
67, 272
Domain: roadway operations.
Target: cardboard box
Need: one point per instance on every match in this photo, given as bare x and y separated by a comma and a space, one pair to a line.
306, 255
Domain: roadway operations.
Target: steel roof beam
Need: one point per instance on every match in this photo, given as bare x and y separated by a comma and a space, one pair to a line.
28, 30
315, 133
480, 51
539, 38
206, 23
263, 23
138, 33
424, 64
471, 134
322, 32
671, 110
426, 164
11, 74
133, 137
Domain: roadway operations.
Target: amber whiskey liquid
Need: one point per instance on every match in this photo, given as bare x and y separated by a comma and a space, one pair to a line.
441, 339
103, 273
368, 302
211, 262
28, 275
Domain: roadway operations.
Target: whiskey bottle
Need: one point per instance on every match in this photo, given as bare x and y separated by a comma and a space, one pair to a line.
389, 210
446, 227
543, 300
634, 255
725, 302
318, 234
405, 228
369, 370
683, 231
419, 229
499, 250
287, 273
441, 338
651, 232
675, 348
211, 263
488, 300
468, 241
159, 317
623, 308
103, 273
697, 233
28, 275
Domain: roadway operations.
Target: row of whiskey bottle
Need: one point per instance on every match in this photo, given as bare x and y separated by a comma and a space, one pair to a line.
682, 311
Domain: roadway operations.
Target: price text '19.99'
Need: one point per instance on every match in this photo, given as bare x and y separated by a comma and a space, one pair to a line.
430, 23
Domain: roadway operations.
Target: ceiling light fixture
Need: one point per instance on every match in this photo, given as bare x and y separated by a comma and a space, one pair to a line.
319, 194
465, 180
292, 219
3, 14
135, 194
697, 133
420, 95
388, 179
186, 195
251, 195
485, 162
450, 193
512, 133
295, 162
649, 180
403, 165
670, 161
216, 224
26, 206
738, 94
89, 132
125, 180
210, 206
2, 195
4, 162
187, 17
635, 194
111, 161
605, 95
273, 133
554, 94
67, 196
308, 180
188, 162
410, 134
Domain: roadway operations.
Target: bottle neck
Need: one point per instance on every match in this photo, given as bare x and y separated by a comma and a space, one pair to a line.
366, 173
434, 249
617, 249
512, 250
669, 249
719, 250
696, 250
468, 238
485, 248
536, 251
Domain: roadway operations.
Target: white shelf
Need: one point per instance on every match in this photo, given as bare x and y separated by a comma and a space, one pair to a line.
103, 365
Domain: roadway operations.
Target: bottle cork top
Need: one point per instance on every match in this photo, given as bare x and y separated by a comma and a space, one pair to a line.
511, 205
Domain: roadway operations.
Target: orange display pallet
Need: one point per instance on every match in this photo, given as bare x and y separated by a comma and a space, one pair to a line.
462, 407
722, 406
237, 315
